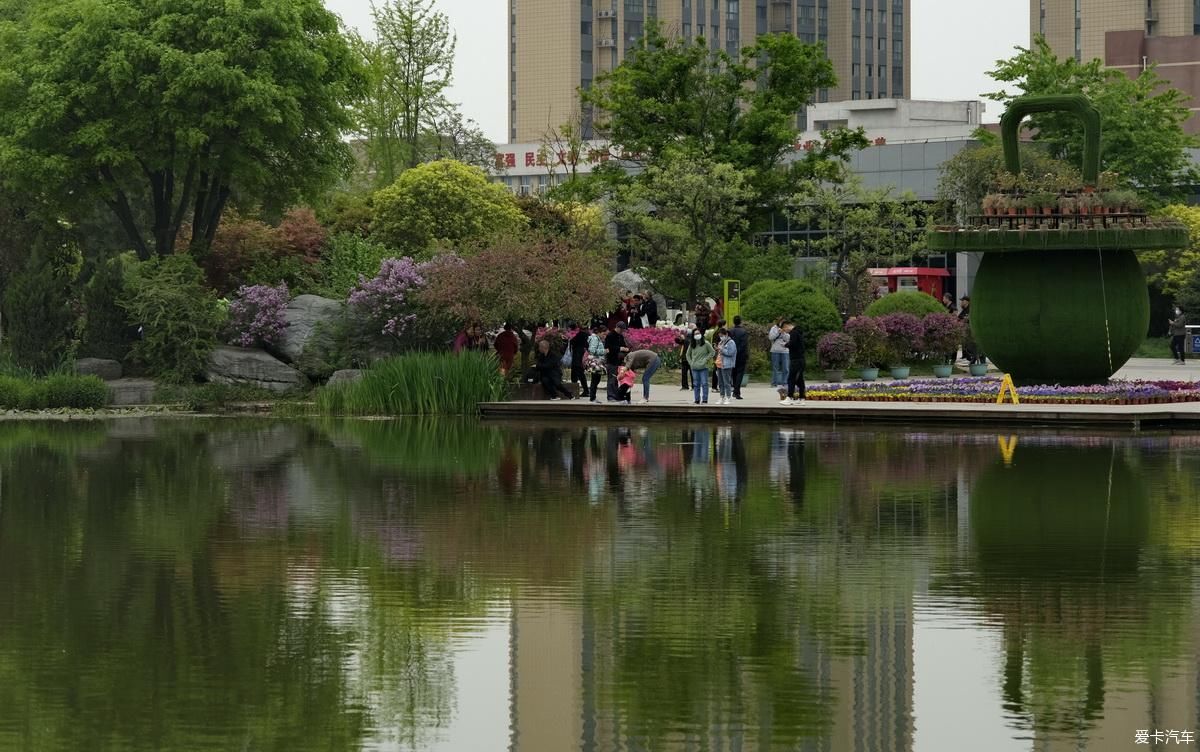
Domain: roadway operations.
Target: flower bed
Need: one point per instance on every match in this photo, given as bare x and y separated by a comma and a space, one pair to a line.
985, 390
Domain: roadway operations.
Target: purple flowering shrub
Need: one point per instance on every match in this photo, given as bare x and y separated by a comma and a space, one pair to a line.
385, 302
903, 335
870, 341
256, 315
943, 334
836, 351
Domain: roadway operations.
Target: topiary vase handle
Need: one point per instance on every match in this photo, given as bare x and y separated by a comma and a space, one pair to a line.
1076, 104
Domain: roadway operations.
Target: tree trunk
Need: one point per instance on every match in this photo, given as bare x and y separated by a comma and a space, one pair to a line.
119, 204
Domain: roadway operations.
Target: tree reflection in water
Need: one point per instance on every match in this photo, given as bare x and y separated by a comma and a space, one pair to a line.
290, 585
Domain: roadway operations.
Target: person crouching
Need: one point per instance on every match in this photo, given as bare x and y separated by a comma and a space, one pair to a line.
549, 371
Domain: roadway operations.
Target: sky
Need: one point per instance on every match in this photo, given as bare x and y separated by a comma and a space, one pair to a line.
955, 43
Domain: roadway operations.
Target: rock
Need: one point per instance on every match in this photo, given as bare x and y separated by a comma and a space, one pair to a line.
236, 365
109, 370
125, 392
347, 376
304, 317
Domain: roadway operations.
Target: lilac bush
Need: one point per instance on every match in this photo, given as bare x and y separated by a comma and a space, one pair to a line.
904, 334
384, 301
256, 315
869, 341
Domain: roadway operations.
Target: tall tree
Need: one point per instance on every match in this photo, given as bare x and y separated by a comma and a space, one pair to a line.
686, 220
167, 111
1142, 137
409, 67
460, 139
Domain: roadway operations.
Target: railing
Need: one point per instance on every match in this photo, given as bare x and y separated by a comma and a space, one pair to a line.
606, 43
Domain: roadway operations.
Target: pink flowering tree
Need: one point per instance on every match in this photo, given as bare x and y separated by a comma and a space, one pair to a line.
256, 315
385, 302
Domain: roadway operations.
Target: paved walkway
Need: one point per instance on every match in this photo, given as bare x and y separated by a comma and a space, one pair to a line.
761, 402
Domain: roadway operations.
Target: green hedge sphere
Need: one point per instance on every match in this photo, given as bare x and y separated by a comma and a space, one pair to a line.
1041, 316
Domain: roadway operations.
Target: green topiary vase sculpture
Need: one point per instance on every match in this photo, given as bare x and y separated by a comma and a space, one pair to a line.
1056, 300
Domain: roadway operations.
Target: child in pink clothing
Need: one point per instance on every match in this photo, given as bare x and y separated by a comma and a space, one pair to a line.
626, 378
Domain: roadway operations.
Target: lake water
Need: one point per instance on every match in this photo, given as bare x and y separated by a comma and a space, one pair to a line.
238, 584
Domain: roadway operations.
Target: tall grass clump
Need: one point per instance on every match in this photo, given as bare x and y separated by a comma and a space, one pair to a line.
58, 391
418, 384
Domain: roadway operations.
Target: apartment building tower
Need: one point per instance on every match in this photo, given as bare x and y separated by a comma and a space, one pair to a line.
557, 47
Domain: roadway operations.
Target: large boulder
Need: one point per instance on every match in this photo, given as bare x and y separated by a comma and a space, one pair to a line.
237, 365
127, 392
109, 370
305, 316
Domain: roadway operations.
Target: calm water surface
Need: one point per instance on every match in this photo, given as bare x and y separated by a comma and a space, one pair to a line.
273, 585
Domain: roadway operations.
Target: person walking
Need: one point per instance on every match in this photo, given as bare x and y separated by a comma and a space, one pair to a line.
779, 354
741, 338
507, 345
647, 362
577, 346
795, 385
615, 348
549, 370
700, 359
1178, 330
594, 359
726, 358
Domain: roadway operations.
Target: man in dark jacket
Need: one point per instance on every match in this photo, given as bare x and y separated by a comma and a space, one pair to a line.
578, 346
741, 338
650, 309
635, 312
796, 364
615, 348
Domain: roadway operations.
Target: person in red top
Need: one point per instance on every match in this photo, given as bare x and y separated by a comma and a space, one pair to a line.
507, 345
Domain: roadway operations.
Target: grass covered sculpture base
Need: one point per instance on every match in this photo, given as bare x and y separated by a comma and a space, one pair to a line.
1060, 317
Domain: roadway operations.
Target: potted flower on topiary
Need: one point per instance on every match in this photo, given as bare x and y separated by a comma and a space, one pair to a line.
903, 334
836, 352
942, 336
869, 345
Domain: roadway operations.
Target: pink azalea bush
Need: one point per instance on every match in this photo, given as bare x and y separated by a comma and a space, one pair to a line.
256, 315
943, 334
658, 340
869, 341
836, 351
904, 335
384, 301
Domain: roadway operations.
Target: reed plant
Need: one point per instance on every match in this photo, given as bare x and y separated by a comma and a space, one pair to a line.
53, 392
418, 384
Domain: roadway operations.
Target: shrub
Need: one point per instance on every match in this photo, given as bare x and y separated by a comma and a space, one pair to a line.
795, 300
870, 341
247, 251
79, 392
418, 384
943, 334
759, 364
347, 258
60, 391
178, 315
836, 351
917, 303
39, 318
903, 336
445, 202
256, 315
384, 302
106, 330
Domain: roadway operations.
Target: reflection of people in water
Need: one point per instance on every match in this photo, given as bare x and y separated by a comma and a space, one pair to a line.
786, 467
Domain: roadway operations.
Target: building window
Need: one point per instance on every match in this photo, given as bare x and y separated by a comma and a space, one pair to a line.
1042, 19
882, 45
633, 7
869, 70
856, 45
687, 30
652, 8
808, 38
897, 54
699, 30
853, 69
585, 28
854, 20
882, 70
855, 94
807, 13
585, 57
882, 17
1078, 45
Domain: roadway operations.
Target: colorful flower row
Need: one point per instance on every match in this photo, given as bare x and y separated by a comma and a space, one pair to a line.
986, 390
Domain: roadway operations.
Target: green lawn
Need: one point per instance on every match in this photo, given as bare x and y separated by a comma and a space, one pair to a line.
1154, 347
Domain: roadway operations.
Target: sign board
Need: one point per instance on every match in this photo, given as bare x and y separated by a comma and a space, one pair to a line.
733, 299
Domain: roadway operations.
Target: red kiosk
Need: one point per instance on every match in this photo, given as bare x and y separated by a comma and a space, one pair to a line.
910, 279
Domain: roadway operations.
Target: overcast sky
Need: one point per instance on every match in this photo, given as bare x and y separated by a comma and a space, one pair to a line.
954, 43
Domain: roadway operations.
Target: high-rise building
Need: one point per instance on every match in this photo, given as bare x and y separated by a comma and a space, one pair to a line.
1076, 28
1128, 36
557, 47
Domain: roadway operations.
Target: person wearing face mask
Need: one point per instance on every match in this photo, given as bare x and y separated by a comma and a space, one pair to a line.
727, 357
700, 359
1178, 328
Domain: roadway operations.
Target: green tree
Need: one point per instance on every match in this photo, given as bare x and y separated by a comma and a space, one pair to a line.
38, 317
167, 111
686, 220
973, 173
409, 66
106, 331
444, 202
1142, 138
453, 137
681, 95
862, 227
1172, 271
166, 296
